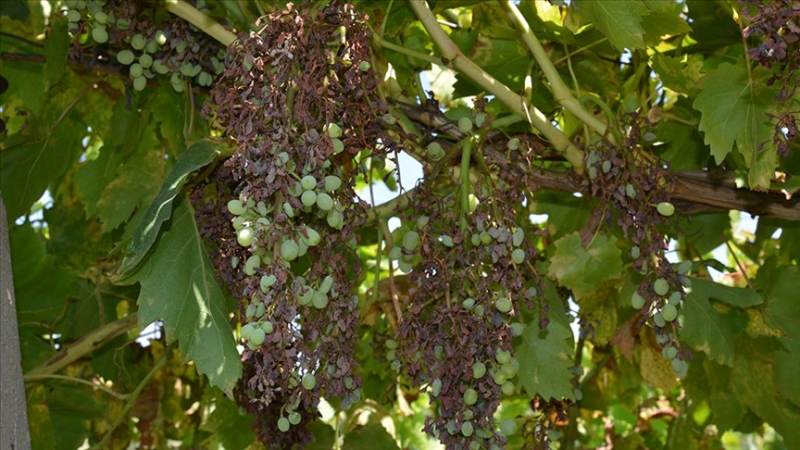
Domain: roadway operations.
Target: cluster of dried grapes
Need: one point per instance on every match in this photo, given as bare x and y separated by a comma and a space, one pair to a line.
638, 186
298, 98
133, 35
776, 26
471, 276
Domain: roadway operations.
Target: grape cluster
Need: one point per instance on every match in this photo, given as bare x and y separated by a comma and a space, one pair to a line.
126, 32
637, 185
298, 99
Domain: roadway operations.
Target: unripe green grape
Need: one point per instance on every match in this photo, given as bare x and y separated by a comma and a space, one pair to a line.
531, 292
513, 144
435, 151
187, 69
338, 146
146, 60
467, 429
510, 368
446, 240
438, 352
245, 237
669, 352
680, 367
138, 42
326, 285
289, 250
517, 236
666, 209
465, 124
310, 236
250, 311
294, 417
472, 202
320, 300
391, 355
475, 239
309, 198
204, 79
260, 309
73, 16
479, 310
436, 387
660, 286
364, 66
658, 320
606, 166
283, 158
309, 381
332, 183
267, 326
503, 304
123, 24
334, 130
160, 37
99, 34
468, 303
410, 240
630, 191
507, 388
306, 297
478, 370
684, 267
517, 328
267, 281
675, 298
518, 256
324, 201
335, 219
470, 397
136, 70
177, 83
257, 337
508, 427
139, 83
239, 222
160, 67
308, 183
669, 312
635, 252
287, 209
637, 301
389, 119
252, 263
498, 377
283, 425
502, 356
486, 238
125, 57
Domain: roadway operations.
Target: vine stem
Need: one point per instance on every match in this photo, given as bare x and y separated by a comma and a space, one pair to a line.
560, 90
512, 100
99, 386
466, 155
194, 16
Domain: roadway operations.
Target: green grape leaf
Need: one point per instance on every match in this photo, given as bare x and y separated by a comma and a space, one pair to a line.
178, 287
55, 49
227, 423
372, 436
783, 313
709, 330
584, 269
545, 355
619, 20
197, 156
734, 109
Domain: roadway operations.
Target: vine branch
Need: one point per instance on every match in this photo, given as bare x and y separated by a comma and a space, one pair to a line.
206, 24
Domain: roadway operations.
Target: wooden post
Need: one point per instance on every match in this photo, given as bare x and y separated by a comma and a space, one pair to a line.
13, 413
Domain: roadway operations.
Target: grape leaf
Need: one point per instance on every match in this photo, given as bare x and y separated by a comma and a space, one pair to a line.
620, 20
783, 313
178, 287
545, 355
734, 109
584, 269
372, 436
56, 52
197, 156
709, 330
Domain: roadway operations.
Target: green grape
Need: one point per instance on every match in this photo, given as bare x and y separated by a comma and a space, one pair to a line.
486, 238
470, 396
334, 130
502, 356
422, 221
177, 83
508, 427
465, 124
283, 424
606, 167
324, 201
245, 237
338, 146
287, 209
289, 250
250, 311
139, 83
294, 417
306, 297
267, 327
335, 219
326, 285
468, 303
637, 301
101, 17
187, 69
136, 70
138, 42
252, 263
503, 304
364, 66
660, 286
160, 37
302, 248
480, 119
411, 240
308, 182
517, 236
309, 381
467, 429
507, 388
635, 252
658, 319
669, 352
296, 189
236, 207
389, 119
680, 367
99, 34
160, 67
475, 239
472, 202
311, 237
332, 183
391, 344
684, 267
675, 298
479, 310
123, 24
669, 312
309, 198
446, 240
478, 370
257, 337
531, 292
630, 191
666, 209
517, 256
498, 377
513, 144
73, 16
151, 47
125, 57
267, 281
435, 151
320, 300
146, 60
517, 328
436, 387
260, 309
